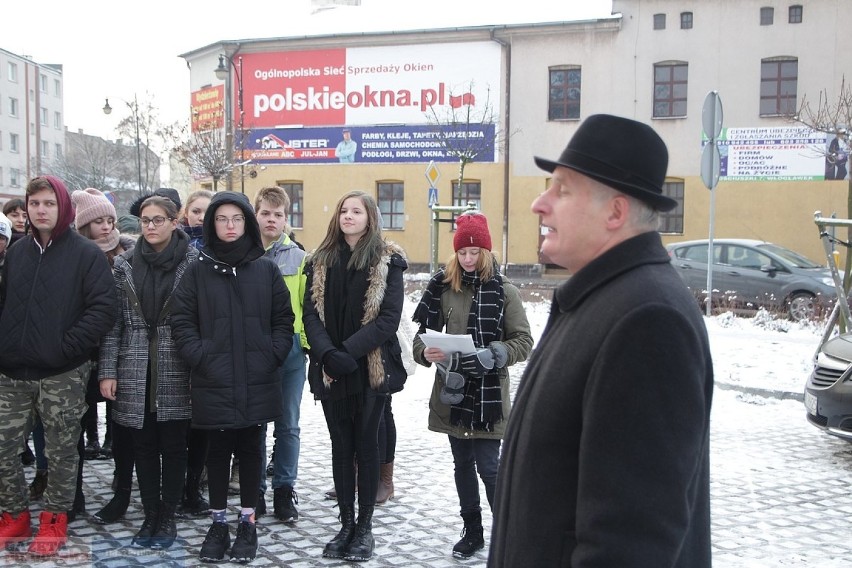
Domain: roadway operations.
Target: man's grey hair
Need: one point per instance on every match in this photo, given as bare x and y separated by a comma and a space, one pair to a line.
642, 216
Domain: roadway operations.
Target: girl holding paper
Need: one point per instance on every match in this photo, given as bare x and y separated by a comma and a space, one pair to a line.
470, 396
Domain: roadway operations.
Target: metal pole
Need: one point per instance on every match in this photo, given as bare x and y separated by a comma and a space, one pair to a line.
138, 144
240, 102
433, 263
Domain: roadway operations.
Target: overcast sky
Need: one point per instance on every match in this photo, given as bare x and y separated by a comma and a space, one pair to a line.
118, 49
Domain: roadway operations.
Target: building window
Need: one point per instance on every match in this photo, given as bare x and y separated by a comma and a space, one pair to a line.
391, 197
13, 72
57, 151
13, 106
670, 87
45, 149
294, 191
44, 120
564, 100
672, 221
13, 143
57, 120
43, 83
795, 14
470, 192
659, 21
13, 177
686, 20
778, 82
57, 87
767, 16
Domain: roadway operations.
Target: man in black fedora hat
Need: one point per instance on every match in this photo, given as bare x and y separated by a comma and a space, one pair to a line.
606, 456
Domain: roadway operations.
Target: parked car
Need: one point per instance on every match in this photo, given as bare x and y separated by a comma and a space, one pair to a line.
828, 391
749, 274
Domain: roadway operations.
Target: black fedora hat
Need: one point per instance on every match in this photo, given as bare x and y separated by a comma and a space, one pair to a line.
619, 152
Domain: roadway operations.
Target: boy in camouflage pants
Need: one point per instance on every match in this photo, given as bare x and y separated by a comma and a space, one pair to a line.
57, 299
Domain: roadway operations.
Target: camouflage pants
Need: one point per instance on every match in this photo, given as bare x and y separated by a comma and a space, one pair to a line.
60, 402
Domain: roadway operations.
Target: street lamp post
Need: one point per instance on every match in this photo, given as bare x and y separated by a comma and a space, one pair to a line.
134, 106
223, 73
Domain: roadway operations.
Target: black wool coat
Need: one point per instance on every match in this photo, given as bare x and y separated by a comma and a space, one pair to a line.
234, 327
606, 456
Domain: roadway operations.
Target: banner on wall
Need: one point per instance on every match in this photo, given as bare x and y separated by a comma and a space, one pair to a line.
367, 85
372, 144
208, 108
781, 153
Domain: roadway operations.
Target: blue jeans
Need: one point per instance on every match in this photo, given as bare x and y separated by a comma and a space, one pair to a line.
286, 464
470, 456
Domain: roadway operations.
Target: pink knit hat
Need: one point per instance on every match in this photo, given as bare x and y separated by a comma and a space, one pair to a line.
90, 204
472, 231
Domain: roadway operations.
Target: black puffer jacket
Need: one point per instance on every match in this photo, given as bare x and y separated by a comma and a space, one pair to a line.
56, 303
233, 325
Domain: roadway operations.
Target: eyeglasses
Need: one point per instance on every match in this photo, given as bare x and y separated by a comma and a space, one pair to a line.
235, 220
156, 221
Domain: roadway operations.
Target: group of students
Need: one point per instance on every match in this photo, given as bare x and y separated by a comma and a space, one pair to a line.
198, 334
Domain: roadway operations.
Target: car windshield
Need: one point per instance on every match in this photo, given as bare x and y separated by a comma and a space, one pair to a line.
793, 258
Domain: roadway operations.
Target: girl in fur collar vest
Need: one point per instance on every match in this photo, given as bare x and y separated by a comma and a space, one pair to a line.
353, 303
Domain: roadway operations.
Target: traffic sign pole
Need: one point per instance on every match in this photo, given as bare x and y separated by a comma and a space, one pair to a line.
711, 123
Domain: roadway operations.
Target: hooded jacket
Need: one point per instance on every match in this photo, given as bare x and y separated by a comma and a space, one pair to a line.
56, 302
233, 325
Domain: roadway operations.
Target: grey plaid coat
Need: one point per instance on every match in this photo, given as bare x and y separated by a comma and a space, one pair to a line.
126, 351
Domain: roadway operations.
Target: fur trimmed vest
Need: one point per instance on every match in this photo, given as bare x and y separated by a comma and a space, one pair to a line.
376, 288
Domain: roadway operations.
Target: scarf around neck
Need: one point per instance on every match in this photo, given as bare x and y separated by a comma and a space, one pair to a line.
154, 273
482, 405
235, 252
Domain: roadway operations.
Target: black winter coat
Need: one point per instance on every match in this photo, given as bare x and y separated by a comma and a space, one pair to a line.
234, 327
605, 460
56, 305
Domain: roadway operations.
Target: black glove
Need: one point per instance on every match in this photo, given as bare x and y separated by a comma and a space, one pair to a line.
500, 353
337, 363
474, 364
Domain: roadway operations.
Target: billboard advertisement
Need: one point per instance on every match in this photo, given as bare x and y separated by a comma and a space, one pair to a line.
781, 153
413, 143
376, 92
208, 108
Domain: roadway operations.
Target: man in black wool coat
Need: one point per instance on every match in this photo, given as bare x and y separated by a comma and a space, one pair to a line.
606, 457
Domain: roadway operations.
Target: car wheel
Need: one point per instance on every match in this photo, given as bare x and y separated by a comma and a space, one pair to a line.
801, 306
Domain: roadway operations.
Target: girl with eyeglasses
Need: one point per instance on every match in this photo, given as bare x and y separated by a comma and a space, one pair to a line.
233, 324
141, 371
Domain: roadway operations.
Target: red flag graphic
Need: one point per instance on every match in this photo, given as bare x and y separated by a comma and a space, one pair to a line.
465, 99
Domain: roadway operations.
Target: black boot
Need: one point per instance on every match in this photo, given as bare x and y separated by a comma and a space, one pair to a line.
115, 509
471, 536
336, 548
149, 526
166, 528
193, 503
361, 546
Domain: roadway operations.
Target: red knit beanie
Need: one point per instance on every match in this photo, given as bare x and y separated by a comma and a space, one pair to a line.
472, 231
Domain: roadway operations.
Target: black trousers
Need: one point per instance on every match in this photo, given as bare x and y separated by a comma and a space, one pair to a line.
356, 439
160, 452
245, 444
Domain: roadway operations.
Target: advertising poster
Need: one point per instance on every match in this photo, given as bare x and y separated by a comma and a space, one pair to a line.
299, 105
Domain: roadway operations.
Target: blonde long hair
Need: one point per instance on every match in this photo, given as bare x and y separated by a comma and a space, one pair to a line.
484, 268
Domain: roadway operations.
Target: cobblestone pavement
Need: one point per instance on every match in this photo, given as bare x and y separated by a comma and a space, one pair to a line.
781, 497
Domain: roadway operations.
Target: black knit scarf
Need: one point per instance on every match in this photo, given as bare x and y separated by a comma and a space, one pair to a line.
482, 405
345, 291
154, 273
235, 252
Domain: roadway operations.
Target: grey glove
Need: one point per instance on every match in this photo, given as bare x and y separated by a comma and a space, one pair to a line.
500, 353
453, 390
476, 364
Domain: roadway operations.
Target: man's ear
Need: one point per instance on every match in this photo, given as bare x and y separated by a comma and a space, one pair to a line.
619, 212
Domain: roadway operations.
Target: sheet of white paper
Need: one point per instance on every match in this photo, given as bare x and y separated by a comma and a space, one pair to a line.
447, 342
